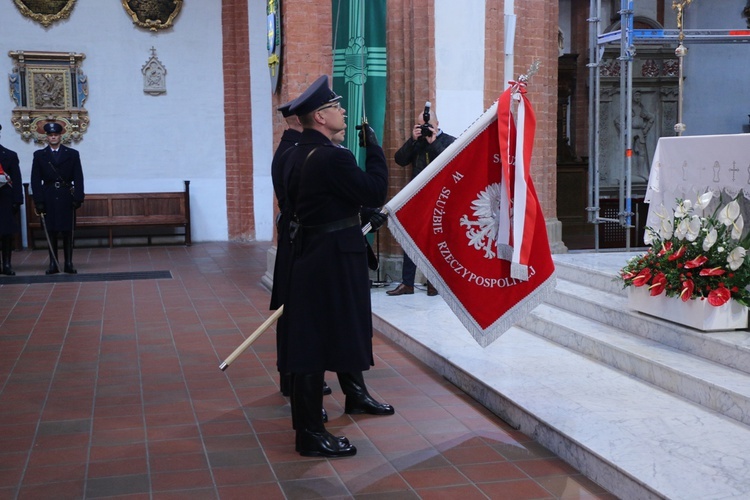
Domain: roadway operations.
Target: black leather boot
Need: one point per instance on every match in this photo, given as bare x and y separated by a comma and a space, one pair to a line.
326, 389
7, 251
53, 269
312, 439
68, 251
358, 400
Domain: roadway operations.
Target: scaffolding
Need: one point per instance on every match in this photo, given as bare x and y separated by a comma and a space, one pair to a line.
627, 37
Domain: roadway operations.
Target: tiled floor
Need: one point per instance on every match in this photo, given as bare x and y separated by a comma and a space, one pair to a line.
113, 389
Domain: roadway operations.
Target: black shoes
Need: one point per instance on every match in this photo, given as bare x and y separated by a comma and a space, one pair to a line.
52, 269
69, 269
326, 389
363, 403
323, 444
431, 290
8, 271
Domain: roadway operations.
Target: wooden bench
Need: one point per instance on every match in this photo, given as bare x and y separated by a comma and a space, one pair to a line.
146, 215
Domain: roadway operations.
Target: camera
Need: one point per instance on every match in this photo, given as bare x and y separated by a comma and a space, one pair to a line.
426, 128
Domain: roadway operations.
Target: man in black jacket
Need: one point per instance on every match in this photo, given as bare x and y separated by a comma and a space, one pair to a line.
427, 141
327, 315
11, 199
57, 188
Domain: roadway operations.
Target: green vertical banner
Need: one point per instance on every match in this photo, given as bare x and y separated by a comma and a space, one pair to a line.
359, 66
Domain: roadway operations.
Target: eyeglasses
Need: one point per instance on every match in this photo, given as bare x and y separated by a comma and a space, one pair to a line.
335, 105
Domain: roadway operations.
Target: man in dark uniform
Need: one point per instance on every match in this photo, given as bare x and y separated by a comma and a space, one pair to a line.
11, 199
327, 313
283, 246
57, 188
427, 141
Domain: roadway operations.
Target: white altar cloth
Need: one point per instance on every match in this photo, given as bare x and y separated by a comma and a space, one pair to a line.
686, 167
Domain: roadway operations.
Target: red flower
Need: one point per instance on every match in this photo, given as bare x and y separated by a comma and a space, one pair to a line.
715, 271
719, 297
696, 262
642, 277
664, 249
658, 285
679, 253
687, 290
628, 275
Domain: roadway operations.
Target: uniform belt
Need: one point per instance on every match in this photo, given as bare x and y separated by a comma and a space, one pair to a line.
59, 184
329, 227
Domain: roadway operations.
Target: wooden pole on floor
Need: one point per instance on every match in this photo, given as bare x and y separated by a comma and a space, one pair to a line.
262, 328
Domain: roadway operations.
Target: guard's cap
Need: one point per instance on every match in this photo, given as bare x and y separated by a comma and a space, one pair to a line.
286, 109
316, 95
53, 128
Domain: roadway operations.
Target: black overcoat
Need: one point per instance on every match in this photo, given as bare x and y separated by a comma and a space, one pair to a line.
57, 183
327, 316
283, 247
10, 194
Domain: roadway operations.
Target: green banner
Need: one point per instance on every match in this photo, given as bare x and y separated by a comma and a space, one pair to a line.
359, 66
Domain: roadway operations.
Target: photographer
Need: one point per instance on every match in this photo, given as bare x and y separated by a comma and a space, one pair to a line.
427, 141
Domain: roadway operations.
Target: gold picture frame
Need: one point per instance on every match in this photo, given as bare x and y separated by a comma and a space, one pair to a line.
48, 87
153, 14
45, 12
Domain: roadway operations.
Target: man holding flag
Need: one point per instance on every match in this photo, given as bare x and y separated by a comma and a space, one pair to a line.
329, 329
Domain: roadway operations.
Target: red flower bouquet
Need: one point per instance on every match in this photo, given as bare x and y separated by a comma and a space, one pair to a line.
694, 256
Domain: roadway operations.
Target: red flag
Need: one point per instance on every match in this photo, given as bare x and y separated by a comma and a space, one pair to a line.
472, 223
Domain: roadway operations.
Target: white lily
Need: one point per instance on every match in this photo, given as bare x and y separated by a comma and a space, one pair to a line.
737, 228
693, 228
704, 200
680, 232
710, 240
736, 258
648, 236
729, 213
666, 229
683, 209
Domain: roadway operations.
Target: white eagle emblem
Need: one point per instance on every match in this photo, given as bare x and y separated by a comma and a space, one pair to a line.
483, 230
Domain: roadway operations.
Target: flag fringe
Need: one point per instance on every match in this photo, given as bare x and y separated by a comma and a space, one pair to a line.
483, 336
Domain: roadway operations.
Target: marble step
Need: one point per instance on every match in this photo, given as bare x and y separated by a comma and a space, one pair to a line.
634, 439
730, 348
715, 386
599, 273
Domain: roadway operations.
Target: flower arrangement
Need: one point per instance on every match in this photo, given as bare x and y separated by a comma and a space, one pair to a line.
694, 256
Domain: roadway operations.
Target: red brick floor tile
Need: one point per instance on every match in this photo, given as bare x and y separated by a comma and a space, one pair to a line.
124, 467
434, 477
489, 472
523, 489
466, 492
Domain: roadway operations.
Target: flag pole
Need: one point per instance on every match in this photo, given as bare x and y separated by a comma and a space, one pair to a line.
262, 328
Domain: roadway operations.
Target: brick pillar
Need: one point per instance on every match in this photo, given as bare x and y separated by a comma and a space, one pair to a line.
536, 39
410, 38
238, 145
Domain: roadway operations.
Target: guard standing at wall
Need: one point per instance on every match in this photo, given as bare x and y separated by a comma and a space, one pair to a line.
57, 189
327, 315
11, 199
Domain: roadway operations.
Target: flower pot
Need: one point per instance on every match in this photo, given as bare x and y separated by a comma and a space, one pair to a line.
695, 313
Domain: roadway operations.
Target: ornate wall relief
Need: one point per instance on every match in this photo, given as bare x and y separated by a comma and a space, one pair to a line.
154, 75
45, 12
153, 14
48, 86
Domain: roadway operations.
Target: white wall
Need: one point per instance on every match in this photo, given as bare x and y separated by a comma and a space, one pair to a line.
459, 54
138, 142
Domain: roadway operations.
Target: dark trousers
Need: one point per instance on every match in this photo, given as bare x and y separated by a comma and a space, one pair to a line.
408, 271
